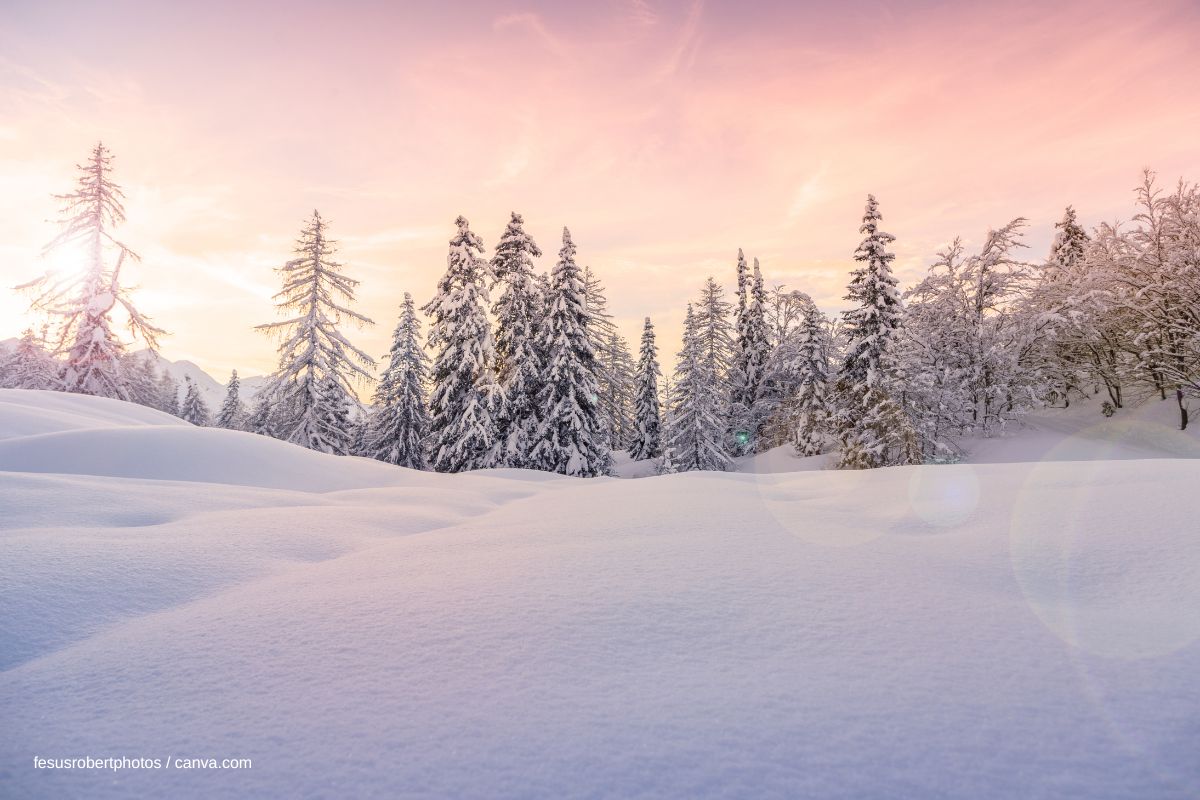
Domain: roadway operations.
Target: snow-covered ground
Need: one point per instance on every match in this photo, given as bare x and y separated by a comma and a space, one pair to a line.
1019, 629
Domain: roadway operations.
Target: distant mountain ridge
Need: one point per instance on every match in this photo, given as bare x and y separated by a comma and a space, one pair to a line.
211, 389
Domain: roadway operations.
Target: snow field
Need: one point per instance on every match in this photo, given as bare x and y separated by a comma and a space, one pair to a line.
975, 630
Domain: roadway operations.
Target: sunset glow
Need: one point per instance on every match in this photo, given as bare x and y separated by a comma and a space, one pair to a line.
666, 135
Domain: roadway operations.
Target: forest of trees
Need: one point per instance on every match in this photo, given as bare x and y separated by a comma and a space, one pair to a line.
525, 368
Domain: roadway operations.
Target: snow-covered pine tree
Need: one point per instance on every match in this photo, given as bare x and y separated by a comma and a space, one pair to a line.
712, 312
1069, 246
81, 302
30, 366
872, 429
570, 440
232, 415
753, 350
518, 361
312, 388
613, 365
140, 378
618, 387
696, 432
738, 391
464, 403
260, 420
666, 464
194, 409
398, 429
647, 441
812, 403
168, 394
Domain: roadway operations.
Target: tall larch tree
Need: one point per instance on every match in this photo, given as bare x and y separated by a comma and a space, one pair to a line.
313, 388
518, 362
465, 398
871, 428
80, 303
647, 440
570, 440
398, 430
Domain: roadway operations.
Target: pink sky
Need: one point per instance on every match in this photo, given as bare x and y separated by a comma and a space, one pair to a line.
665, 135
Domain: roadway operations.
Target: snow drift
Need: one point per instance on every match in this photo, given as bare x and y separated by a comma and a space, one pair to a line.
1021, 629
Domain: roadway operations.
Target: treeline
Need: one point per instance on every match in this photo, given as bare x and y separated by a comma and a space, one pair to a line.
525, 368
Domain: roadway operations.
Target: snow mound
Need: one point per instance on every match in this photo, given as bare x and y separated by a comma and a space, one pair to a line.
25, 412
50, 432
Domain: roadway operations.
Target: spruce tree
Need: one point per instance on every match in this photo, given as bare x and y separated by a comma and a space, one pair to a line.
739, 396
753, 350
140, 378
570, 439
666, 464
312, 388
260, 420
30, 366
232, 415
713, 326
463, 404
1068, 249
194, 409
613, 365
518, 362
168, 394
812, 411
696, 431
398, 429
872, 429
80, 303
647, 442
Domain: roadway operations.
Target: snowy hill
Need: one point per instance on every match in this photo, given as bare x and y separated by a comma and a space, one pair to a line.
976, 630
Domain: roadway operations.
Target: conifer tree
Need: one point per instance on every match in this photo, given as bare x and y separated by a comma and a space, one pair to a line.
518, 361
753, 348
140, 379
647, 442
872, 429
812, 403
463, 404
738, 389
666, 464
1069, 247
570, 439
80, 303
232, 415
614, 365
398, 429
194, 409
696, 431
260, 419
713, 326
312, 388
30, 366
168, 394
